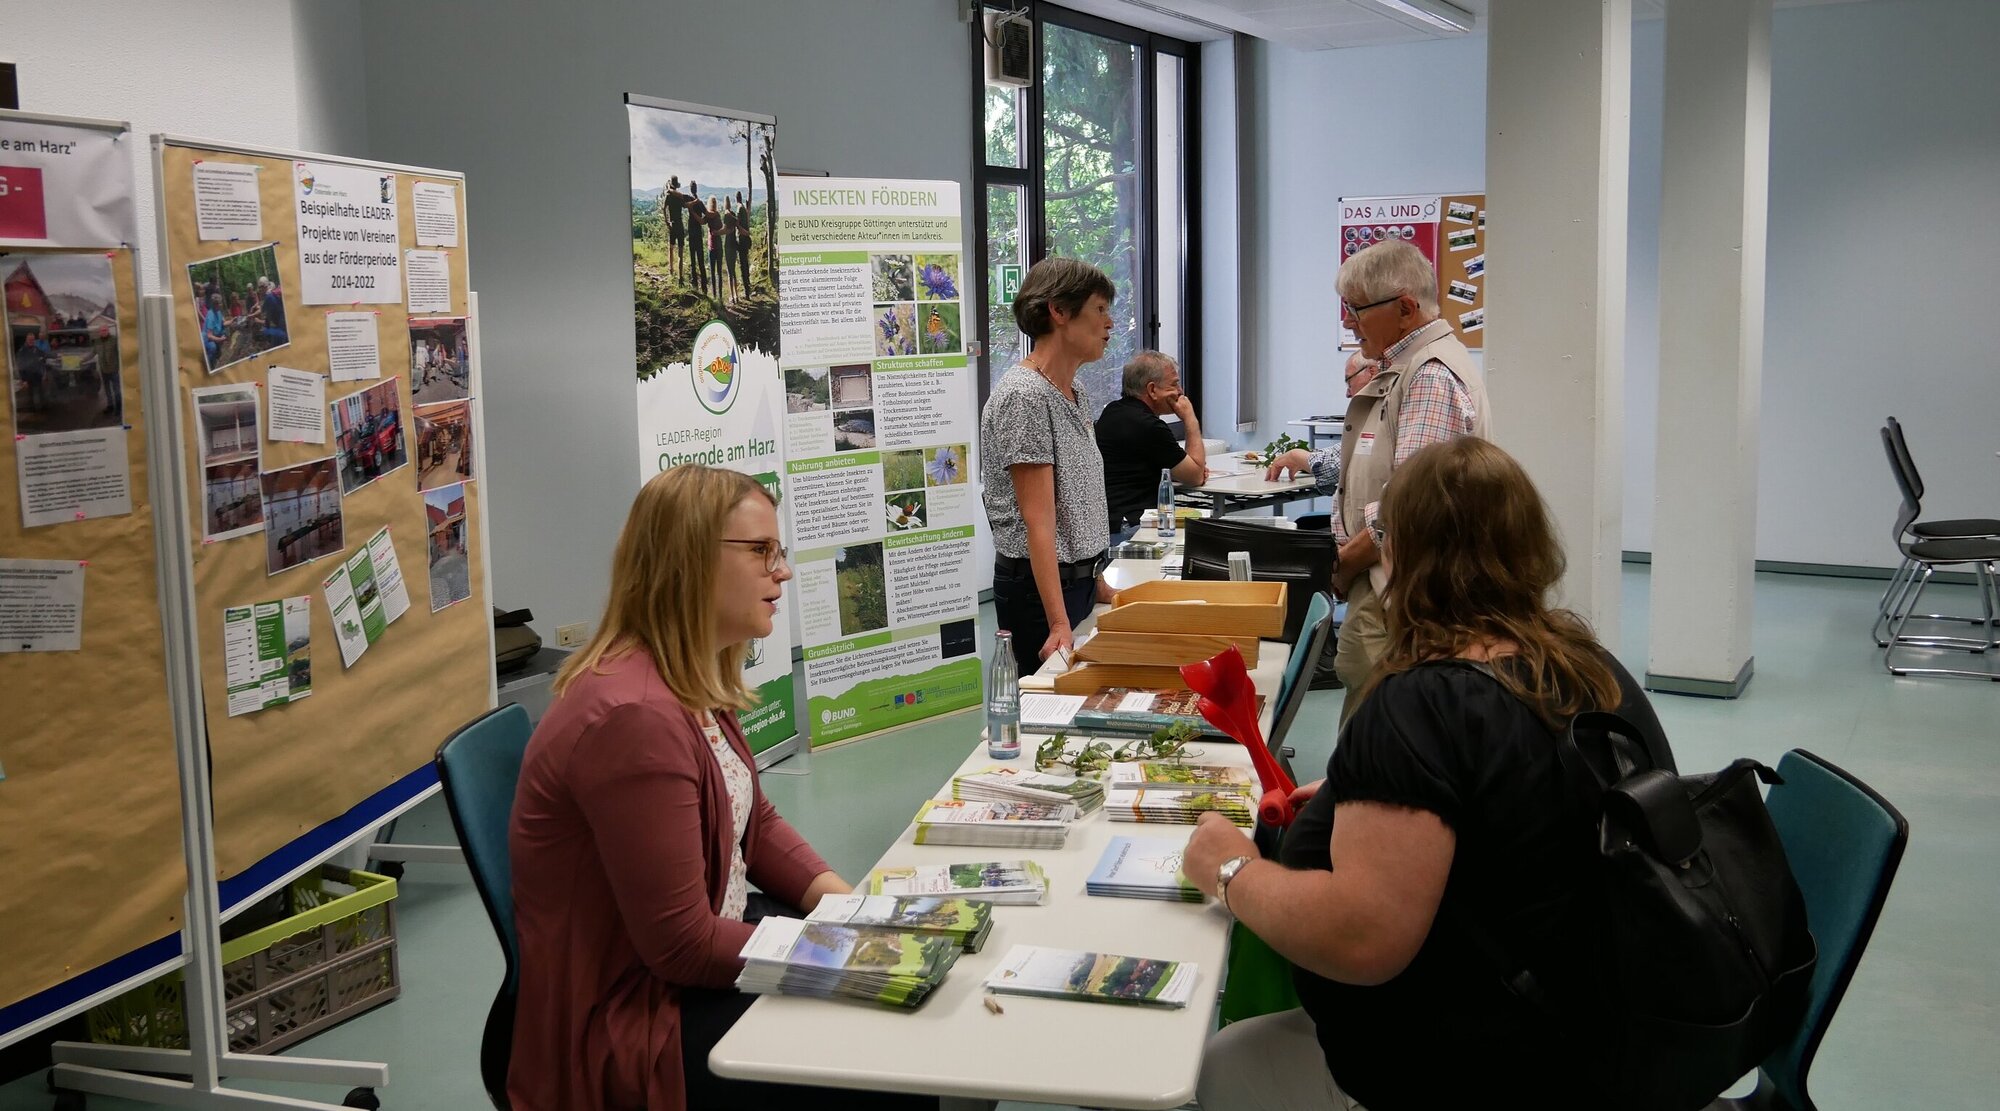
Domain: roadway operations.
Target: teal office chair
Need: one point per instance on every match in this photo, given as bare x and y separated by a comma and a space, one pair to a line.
1844, 843
479, 766
1313, 634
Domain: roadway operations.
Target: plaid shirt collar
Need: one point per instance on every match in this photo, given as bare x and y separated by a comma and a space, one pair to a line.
1425, 333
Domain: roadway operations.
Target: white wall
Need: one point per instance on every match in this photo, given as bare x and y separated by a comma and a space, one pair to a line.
1885, 149
527, 99
1362, 122
222, 69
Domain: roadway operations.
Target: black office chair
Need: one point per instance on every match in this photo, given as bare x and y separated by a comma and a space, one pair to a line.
1965, 528
1302, 560
1924, 557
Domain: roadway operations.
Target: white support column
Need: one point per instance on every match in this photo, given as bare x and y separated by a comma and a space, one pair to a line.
1558, 129
1715, 161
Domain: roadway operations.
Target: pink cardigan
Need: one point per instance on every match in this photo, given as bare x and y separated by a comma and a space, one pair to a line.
620, 842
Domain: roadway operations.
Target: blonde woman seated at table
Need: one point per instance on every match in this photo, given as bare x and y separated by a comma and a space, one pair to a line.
1443, 804
638, 826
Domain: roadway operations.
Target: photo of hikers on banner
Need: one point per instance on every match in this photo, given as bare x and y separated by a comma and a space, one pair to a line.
239, 306
444, 444
62, 343
703, 231
438, 360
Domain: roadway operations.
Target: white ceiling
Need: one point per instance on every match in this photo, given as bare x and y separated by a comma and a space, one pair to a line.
1317, 24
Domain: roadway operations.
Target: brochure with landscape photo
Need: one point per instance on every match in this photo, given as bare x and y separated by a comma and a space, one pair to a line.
963, 920
1013, 882
1094, 977
1143, 868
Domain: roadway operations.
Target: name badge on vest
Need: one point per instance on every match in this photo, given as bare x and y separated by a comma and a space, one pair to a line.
1365, 445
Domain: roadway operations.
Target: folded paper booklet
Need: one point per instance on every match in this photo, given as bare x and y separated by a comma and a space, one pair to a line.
962, 920
1143, 868
1013, 784
1096, 977
787, 956
1175, 775
1176, 807
1040, 825
1009, 882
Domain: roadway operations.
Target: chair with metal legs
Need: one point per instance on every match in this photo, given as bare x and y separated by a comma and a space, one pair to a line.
1968, 528
1925, 557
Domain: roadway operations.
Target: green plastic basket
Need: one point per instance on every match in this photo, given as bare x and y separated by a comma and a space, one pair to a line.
331, 959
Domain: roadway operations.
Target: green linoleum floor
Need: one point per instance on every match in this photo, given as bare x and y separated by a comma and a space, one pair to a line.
1917, 1029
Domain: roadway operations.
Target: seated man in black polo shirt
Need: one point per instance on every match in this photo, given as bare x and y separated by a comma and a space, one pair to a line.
1137, 445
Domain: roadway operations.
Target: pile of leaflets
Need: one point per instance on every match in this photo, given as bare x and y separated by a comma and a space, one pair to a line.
1179, 793
963, 921
787, 956
1093, 977
1004, 882
1143, 868
1024, 825
1003, 784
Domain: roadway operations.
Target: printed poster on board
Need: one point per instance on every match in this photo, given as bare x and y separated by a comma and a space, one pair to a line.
1365, 221
64, 185
705, 314
879, 428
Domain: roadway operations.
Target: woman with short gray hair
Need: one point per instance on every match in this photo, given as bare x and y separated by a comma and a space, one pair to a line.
1043, 476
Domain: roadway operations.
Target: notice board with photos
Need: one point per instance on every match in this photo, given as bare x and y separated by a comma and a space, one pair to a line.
328, 383
1450, 230
89, 795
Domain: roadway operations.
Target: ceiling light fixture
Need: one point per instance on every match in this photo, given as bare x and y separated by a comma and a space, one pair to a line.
1435, 13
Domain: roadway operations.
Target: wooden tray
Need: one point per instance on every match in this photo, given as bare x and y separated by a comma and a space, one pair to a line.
1091, 678
1158, 650
1228, 609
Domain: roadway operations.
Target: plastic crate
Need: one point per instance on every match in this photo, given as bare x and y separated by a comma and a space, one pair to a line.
332, 959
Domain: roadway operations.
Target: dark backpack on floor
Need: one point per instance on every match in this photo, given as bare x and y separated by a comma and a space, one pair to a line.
1699, 956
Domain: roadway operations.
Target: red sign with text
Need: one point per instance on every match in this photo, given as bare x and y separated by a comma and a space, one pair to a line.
22, 215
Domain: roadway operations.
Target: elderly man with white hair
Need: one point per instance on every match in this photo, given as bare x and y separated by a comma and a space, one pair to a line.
1418, 386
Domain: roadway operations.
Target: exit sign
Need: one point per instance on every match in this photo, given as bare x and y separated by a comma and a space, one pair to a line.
1010, 281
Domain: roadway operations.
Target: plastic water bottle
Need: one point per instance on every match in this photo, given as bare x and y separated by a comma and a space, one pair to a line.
1166, 504
1003, 701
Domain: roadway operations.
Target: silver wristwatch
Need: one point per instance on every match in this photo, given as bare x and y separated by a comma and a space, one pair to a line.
1226, 873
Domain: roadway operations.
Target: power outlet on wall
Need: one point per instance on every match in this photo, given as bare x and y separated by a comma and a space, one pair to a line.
571, 636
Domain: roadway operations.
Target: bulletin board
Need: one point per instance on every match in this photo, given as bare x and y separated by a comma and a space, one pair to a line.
1461, 266
90, 799
1450, 230
283, 769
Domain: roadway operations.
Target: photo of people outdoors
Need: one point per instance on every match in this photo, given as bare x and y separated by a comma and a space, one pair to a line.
444, 444
62, 343
239, 306
703, 231
302, 520
450, 569
439, 363
367, 428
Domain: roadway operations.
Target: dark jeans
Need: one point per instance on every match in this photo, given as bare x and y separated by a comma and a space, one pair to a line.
708, 1013
1017, 608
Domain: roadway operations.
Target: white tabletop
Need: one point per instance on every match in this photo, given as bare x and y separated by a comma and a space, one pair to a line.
1252, 484
1039, 1050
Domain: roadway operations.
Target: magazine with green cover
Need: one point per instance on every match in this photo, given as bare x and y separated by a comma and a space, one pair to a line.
789, 956
1180, 807
1178, 775
1093, 977
1027, 785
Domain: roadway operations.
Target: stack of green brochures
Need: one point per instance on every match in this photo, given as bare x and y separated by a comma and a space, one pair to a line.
1143, 868
961, 920
1005, 882
1024, 825
1002, 784
1178, 793
786, 956
1096, 977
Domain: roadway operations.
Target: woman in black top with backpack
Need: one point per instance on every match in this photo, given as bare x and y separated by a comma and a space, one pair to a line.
1442, 835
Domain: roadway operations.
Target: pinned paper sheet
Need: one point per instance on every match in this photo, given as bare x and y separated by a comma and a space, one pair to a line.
436, 210
429, 274
352, 352
226, 203
297, 401
267, 654
41, 605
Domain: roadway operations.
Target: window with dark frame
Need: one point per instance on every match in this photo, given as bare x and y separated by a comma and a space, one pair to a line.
1096, 160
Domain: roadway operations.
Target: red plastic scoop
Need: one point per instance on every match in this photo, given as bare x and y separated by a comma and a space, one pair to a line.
1229, 702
